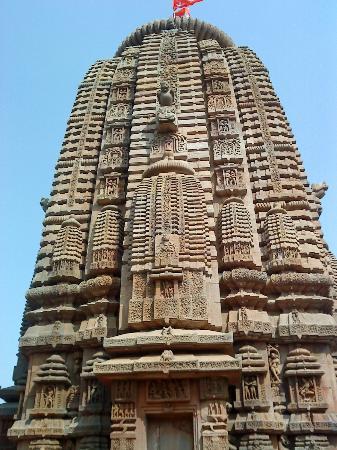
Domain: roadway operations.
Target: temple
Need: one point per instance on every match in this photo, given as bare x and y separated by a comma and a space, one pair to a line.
183, 295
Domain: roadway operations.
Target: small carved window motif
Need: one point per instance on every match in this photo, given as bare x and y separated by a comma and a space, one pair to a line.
107, 240
172, 143
115, 158
67, 253
121, 94
117, 136
227, 149
229, 180
110, 188
119, 111
235, 234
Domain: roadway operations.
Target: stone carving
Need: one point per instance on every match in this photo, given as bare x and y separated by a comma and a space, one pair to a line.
107, 241
304, 374
224, 126
67, 253
284, 443
264, 126
168, 390
122, 94
219, 103
281, 240
73, 398
111, 190
114, 159
229, 180
274, 365
168, 94
123, 411
165, 95
52, 381
124, 75
123, 391
117, 135
215, 67
235, 234
227, 149
218, 85
163, 245
211, 388
44, 202
319, 189
250, 385
253, 380
163, 144
120, 111
45, 444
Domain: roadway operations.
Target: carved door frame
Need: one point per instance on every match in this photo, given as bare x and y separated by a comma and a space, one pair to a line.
162, 409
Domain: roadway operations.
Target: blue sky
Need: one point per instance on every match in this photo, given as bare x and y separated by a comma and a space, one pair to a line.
47, 46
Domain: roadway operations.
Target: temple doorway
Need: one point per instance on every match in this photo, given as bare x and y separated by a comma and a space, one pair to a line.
167, 433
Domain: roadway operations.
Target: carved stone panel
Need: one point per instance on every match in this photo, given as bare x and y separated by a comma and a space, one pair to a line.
215, 67
114, 159
218, 85
213, 388
168, 143
168, 390
224, 125
111, 190
219, 103
227, 150
229, 180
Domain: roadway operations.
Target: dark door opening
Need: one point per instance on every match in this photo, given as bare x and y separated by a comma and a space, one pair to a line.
170, 433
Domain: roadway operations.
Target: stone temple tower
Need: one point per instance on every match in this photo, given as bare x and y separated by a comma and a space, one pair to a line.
183, 295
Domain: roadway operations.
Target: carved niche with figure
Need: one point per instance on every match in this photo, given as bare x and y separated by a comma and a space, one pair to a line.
304, 374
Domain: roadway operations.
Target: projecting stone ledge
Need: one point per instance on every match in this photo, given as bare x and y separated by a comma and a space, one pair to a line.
167, 364
173, 338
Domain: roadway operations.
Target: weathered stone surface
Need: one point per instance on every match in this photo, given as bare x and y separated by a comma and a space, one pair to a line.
182, 271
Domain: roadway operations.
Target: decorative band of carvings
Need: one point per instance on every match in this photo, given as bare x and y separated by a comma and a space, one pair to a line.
87, 119
127, 366
167, 337
263, 119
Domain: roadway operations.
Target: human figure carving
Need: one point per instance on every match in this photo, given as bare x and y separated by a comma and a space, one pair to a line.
295, 316
274, 364
49, 397
250, 388
306, 389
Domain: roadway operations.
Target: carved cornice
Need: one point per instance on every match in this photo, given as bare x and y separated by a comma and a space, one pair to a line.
200, 29
168, 337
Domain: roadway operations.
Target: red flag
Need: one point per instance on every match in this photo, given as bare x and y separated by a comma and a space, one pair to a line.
182, 12
179, 4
